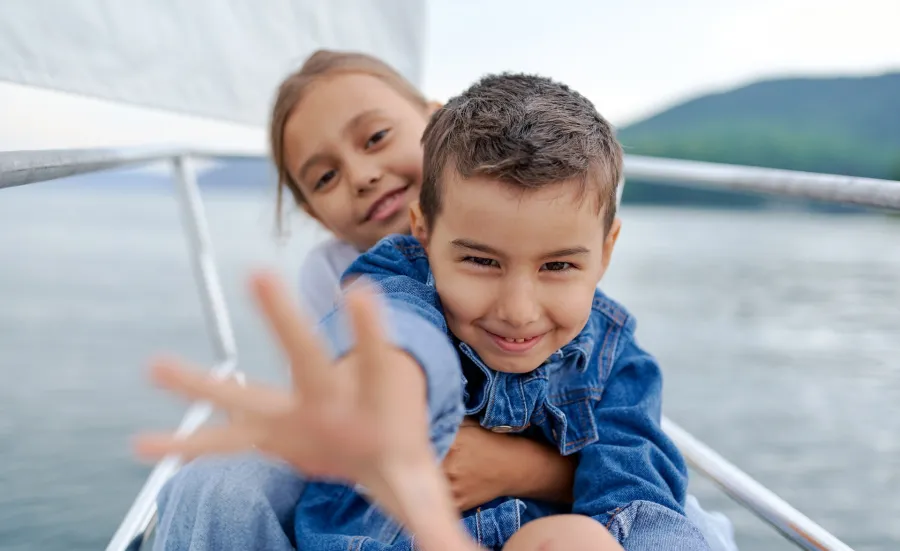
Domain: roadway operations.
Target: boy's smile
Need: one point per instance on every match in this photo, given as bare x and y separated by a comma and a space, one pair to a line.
515, 345
516, 269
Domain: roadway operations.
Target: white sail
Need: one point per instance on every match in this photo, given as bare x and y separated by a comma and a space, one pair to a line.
219, 59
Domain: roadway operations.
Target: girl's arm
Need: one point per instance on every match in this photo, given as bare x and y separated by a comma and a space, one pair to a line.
421, 502
320, 273
483, 465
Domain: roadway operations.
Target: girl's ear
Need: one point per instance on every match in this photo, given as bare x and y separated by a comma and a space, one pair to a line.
432, 107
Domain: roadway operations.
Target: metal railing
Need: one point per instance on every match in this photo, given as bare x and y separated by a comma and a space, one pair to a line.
793, 524
832, 188
25, 167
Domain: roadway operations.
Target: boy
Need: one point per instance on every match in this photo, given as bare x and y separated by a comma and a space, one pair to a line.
514, 229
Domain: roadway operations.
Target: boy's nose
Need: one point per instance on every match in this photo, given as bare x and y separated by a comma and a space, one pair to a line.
517, 305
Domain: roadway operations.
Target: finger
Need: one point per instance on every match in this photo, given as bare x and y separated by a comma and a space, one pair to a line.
371, 344
206, 441
228, 394
310, 363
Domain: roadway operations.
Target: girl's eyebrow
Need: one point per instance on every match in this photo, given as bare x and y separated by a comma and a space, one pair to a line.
361, 118
312, 161
348, 128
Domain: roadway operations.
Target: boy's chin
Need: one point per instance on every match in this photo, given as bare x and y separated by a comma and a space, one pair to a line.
513, 364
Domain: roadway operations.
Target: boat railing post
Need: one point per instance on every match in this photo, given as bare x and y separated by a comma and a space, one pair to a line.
140, 519
208, 283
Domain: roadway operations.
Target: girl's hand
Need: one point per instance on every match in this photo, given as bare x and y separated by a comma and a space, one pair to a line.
475, 466
483, 465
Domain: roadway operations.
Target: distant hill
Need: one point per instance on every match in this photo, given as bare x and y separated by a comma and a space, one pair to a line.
258, 175
847, 125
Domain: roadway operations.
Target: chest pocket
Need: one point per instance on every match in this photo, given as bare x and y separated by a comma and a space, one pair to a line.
571, 420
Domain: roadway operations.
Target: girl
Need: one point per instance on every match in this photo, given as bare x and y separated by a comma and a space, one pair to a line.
345, 138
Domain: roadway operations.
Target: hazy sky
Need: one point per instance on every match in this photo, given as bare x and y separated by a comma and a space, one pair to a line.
633, 57
630, 57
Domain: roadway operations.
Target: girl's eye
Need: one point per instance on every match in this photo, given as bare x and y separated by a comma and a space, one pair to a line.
376, 137
323, 181
557, 266
482, 262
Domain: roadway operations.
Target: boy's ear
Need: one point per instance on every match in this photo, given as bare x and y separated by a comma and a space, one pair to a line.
609, 243
417, 224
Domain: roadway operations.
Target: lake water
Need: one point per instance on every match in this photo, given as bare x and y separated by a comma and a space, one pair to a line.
779, 334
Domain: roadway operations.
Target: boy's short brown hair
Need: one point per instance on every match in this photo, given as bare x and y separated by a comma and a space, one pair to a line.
526, 130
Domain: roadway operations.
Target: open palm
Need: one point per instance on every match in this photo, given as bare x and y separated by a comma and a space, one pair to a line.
350, 419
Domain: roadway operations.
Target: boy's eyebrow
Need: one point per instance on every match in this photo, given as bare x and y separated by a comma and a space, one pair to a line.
568, 251
475, 246
487, 249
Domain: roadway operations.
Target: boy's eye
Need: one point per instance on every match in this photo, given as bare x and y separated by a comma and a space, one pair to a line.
556, 266
376, 137
323, 181
482, 262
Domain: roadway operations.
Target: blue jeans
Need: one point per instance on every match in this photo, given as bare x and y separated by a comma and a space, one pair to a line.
247, 502
242, 502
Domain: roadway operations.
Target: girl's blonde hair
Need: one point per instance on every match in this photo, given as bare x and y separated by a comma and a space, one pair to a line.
322, 64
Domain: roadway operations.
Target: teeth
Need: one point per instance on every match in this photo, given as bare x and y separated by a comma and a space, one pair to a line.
507, 339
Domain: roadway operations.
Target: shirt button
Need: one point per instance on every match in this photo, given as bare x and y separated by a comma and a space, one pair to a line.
502, 428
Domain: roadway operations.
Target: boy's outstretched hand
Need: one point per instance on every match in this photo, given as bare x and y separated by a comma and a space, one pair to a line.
363, 420
357, 420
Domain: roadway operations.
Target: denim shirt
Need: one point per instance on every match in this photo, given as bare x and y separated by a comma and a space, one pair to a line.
598, 399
